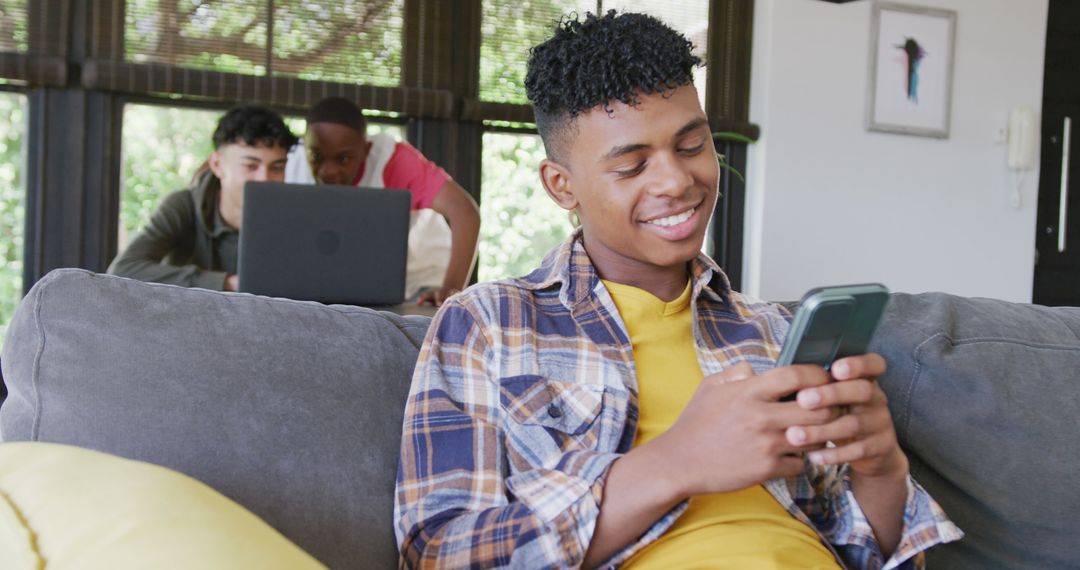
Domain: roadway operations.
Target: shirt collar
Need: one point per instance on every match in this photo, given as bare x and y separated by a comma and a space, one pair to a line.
568, 267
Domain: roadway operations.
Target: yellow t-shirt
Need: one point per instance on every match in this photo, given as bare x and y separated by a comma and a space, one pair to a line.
741, 529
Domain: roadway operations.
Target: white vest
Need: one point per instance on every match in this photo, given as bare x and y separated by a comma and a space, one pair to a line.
429, 234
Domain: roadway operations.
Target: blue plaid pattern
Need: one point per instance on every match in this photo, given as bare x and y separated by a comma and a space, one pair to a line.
525, 393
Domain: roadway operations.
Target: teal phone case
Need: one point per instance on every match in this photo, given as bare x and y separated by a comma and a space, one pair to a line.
834, 322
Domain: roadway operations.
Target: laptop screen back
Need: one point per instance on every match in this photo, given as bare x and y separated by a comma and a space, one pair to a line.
333, 244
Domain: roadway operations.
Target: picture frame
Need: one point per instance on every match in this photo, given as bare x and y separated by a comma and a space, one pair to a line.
911, 70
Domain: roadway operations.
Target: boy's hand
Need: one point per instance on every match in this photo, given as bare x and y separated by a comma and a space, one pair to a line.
865, 439
437, 296
732, 433
864, 436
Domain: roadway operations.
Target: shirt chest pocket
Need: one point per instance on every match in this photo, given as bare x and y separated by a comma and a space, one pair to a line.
558, 407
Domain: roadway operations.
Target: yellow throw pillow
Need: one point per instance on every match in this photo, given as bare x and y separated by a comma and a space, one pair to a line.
66, 507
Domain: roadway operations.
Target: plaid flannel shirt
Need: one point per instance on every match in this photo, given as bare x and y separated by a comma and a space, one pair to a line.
525, 393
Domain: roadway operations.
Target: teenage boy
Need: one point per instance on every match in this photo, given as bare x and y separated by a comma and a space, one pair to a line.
620, 404
193, 235
337, 150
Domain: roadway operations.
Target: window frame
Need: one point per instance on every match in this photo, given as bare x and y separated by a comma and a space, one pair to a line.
23, 90
74, 77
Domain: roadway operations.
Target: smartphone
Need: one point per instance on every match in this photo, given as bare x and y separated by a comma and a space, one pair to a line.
832, 323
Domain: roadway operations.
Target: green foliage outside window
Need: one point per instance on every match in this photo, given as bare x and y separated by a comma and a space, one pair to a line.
349, 41
161, 148
508, 29
12, 203
519, 223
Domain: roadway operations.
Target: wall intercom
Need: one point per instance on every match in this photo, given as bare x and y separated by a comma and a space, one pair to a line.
1022, 141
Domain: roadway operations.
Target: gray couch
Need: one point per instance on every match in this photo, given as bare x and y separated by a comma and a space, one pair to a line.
294, 409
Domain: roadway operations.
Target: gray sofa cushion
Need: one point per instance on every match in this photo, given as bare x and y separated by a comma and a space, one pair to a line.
292, 409
985, 396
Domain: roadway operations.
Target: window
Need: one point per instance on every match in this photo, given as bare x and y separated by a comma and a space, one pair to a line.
350, 41
228, 35
507, 31
13, 21
160, 149
13, 127
510, 27
163, 147
519, 223
345, 41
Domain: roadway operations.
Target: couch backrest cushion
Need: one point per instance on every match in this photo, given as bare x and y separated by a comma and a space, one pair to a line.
292, 409
985, 396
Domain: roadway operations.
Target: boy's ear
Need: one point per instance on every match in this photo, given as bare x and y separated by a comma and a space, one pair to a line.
556, 180
214, 162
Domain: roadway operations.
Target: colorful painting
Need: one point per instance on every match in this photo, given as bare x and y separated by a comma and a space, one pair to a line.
911, 60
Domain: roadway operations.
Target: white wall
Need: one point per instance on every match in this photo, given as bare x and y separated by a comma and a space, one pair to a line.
831, 203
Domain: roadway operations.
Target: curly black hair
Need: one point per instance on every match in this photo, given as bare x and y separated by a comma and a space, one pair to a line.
590, 62
340, 111
253, 126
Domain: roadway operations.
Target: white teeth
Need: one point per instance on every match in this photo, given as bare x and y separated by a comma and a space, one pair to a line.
673, 220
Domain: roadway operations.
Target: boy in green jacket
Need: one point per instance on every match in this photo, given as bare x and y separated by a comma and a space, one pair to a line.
192, 237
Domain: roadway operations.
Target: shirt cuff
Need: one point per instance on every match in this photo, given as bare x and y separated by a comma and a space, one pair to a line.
925, 525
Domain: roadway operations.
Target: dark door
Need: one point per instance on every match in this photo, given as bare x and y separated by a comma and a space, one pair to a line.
1057, 240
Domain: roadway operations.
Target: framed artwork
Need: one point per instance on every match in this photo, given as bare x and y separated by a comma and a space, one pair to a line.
911, 69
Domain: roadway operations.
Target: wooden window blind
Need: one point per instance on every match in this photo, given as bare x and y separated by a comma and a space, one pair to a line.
288, 53
349, 41
13, 26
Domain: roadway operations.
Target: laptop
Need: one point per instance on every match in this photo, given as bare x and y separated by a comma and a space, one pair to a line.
332, 244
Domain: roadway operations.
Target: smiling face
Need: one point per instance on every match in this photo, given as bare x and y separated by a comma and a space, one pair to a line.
644, 181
